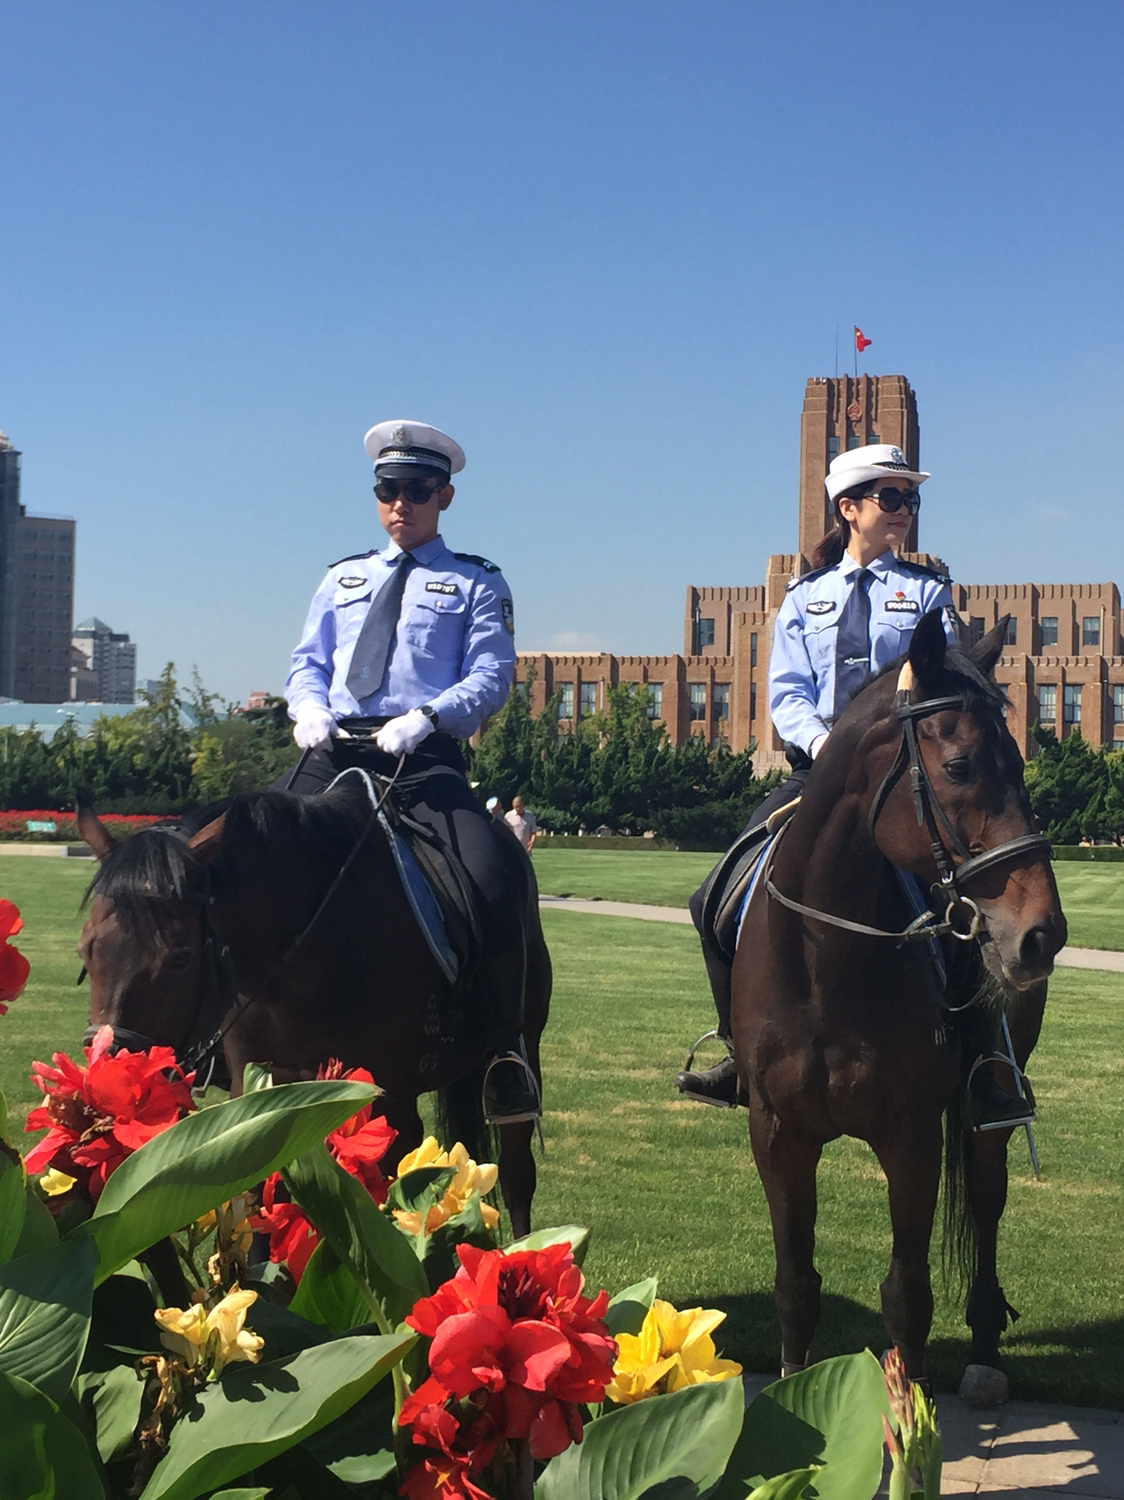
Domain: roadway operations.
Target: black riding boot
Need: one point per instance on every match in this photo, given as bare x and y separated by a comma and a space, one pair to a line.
511, 1091
718, 1084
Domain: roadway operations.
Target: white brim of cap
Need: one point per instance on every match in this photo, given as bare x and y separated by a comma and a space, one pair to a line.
836, 484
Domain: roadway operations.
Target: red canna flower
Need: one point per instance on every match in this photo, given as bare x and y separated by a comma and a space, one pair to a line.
100, 1114
441, 1479
14, 968
359, 1145
517, 1341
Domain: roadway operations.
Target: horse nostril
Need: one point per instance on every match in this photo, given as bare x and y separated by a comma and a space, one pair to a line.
1040, 945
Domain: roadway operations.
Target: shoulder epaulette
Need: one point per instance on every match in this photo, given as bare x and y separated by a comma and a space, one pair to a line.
355, 557
481, 562
916, 567
807, 577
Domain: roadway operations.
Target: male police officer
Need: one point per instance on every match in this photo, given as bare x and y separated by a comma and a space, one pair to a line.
417, 643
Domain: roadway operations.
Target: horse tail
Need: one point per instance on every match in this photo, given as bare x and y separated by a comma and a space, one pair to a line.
960, 1241
460, 1117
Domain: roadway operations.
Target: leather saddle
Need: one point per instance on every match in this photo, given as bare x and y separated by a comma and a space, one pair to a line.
732, 878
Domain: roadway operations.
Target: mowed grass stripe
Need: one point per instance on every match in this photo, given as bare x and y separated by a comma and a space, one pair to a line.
670, 1187
1092, 895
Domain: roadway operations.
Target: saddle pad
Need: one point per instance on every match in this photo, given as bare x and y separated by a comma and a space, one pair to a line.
753, 875
424, 903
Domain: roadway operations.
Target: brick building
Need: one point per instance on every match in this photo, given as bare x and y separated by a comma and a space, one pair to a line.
1063, 666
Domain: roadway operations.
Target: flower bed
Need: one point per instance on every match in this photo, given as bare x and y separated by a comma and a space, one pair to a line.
17, 826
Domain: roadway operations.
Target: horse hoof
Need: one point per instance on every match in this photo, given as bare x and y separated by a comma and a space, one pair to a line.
983, 1385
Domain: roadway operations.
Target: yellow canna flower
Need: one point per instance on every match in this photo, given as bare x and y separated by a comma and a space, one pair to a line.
672, 1350
211, 1340
54, 1183
470, 1179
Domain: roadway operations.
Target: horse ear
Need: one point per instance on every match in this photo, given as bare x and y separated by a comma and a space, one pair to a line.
927, 646
987, 651
207, 842
99, 838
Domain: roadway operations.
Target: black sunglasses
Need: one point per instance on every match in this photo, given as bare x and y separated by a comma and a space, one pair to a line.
416, 491
891, 499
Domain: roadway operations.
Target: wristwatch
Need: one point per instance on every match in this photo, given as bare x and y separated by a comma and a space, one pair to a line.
431, 714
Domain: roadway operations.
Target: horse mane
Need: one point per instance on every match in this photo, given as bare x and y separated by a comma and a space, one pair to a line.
148, 875
976, 689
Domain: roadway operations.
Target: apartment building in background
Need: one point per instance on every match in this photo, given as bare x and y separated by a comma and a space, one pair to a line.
36, 593
1063, 665
103, 664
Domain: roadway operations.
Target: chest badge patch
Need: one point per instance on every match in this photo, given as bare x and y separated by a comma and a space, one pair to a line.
441, 588
902, 606
353, 583
821, 606
507, 612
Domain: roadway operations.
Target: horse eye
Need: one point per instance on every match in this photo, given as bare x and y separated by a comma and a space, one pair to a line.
958, 770
178, 959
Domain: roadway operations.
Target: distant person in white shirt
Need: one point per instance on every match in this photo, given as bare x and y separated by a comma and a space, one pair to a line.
522, 823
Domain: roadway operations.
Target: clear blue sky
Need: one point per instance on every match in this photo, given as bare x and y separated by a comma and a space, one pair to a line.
603, 245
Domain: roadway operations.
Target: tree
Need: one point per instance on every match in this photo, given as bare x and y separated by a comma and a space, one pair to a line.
1066, 780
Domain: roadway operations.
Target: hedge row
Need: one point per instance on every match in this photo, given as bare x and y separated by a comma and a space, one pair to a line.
14, 825
1109, 854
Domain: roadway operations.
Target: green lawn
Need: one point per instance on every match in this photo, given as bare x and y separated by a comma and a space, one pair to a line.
670, 1187
1092, 895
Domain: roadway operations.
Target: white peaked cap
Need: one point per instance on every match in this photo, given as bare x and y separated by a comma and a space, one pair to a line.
861, 465
405, 442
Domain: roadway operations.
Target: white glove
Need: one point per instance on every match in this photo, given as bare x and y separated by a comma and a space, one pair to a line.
313, 727
817, 745
404, 734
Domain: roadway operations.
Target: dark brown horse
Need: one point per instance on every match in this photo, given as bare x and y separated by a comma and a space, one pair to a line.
840, 1032
282, 924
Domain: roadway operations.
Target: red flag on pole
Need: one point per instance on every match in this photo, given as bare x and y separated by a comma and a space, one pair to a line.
861, 340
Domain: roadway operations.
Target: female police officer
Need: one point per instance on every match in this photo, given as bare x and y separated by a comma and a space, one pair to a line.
415, 643
852, 614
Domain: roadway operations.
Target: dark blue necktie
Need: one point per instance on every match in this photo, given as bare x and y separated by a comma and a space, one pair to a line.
376, 639
852, 643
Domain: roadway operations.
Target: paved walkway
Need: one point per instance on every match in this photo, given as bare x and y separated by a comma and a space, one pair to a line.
1068, 958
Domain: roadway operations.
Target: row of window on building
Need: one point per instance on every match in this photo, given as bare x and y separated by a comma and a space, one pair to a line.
696, 700
1071, 703
1048, 625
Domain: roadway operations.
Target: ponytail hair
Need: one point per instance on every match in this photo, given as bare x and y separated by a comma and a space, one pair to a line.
831, 549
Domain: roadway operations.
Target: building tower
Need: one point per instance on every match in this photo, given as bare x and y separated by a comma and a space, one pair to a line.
10, 513
841, 413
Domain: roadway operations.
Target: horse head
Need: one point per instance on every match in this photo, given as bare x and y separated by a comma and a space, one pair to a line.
951, 805
158, 973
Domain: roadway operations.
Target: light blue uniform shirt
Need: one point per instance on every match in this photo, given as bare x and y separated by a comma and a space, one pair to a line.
802, 665
455, 646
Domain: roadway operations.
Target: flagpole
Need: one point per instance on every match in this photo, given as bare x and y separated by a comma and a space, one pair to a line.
837, 351
856, 343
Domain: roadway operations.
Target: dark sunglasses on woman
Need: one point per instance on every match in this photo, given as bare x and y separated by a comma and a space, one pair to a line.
890, 499
416, 491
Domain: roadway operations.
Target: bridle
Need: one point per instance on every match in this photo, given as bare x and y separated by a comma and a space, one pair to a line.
947, 891
217, 956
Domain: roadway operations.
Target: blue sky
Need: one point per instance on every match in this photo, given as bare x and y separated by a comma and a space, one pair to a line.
604, 246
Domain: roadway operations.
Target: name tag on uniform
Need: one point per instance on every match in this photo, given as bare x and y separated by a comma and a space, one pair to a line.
441, 588
353, 583
821, 606
902, 606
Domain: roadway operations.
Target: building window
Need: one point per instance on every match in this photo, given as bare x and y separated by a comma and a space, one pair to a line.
1091, 630
752, 702
753, 648
1012, 636
587, 703
655, 700
976, 625
1118, 704
704, 634
566, 700
1047, 703
832, 447
1073, 703
1049, 630
721, 700
696, 692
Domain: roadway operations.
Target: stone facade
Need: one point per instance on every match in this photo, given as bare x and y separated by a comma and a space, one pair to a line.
1063, 666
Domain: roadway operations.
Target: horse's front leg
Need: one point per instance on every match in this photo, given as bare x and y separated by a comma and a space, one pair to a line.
912, 1163
787, 1163
518, 1174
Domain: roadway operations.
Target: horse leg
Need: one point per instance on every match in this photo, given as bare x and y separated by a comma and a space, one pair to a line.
912, 1163
401, 1112
518, 1173
787, 1163
988, 1311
